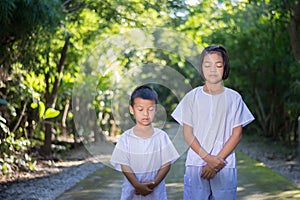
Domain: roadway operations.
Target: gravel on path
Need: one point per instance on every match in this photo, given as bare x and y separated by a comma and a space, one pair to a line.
51, 186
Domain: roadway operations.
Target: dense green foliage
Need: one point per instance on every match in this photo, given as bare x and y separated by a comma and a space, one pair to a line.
67, 68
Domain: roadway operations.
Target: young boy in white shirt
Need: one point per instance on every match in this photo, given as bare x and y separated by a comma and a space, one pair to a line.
144, 153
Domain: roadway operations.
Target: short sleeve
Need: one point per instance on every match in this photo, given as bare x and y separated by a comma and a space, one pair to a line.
120, 155
183, 111
168, 153
242, 116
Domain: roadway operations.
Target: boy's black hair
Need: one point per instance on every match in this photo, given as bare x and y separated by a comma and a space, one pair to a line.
223, 52
144, 92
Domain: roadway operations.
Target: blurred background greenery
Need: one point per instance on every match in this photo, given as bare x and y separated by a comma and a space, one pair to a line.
53, 53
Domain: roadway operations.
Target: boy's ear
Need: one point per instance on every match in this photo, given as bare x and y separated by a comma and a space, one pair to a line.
131, 109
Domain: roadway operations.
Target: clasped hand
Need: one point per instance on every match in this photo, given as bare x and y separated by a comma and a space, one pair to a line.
214, 165
145, 188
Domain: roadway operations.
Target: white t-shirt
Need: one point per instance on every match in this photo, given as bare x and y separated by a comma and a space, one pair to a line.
145, 157
213, 118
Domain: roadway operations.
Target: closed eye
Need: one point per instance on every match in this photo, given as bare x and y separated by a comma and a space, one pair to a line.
151, 108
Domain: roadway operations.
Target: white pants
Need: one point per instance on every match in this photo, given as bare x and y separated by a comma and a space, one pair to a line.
222, 186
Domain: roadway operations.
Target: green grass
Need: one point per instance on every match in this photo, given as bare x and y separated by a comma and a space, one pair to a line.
256, 181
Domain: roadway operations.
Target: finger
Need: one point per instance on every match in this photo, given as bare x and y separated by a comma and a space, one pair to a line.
219, 166
152, 183
216, 169
146, 192
205, 174
209, 176
211, 173
223, 162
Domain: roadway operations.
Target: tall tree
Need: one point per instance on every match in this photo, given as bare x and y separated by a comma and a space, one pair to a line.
44, 43
263, 66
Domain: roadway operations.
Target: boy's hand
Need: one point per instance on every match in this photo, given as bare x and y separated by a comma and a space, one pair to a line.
208, 172
215, 162
143, 189
151, 184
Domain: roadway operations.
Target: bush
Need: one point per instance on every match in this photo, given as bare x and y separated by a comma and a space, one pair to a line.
14, 154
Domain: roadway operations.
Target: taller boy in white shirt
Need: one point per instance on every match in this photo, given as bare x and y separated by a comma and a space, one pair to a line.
212, 117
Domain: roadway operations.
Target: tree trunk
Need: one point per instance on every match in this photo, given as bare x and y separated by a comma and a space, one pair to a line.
51, 98
65, 116
294, 29
46, 148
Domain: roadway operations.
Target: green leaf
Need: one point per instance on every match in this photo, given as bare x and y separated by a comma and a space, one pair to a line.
5, 167
41, 109
32, 166
34, 105
51, 113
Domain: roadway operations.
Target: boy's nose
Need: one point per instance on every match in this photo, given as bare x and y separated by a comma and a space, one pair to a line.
213, 68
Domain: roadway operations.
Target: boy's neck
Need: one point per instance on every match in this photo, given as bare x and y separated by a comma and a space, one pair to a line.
213, 88
143, 131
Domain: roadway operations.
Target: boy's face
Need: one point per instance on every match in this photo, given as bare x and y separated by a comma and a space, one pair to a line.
143, 111
213, 67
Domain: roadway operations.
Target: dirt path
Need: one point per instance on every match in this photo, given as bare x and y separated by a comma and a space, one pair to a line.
61, 179
255, 182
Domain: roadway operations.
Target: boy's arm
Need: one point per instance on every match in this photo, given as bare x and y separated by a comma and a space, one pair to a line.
232, 142
141, 188
161, 174
215, 162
